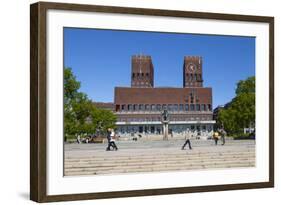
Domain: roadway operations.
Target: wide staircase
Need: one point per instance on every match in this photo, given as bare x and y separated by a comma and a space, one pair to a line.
157, 156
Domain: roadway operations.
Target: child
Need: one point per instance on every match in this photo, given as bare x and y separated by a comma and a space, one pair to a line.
216, 137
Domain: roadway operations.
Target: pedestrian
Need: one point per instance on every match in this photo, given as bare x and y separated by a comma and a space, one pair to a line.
187, 140
216, 137
78, 139
222, 134
110, 140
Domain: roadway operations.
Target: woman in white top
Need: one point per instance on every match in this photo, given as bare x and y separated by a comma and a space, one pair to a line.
112, 140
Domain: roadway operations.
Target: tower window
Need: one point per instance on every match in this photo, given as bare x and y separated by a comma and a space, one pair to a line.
191, 99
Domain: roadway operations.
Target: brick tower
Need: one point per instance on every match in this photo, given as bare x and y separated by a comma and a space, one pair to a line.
142, 71
192, 71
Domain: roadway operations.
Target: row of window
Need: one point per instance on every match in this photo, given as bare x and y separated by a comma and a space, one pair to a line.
193, 77
140, 83
192, 84
169, 107
190, 77
153, 119
158, 129
140, 75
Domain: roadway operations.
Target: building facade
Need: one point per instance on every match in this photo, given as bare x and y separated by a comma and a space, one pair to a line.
139, 108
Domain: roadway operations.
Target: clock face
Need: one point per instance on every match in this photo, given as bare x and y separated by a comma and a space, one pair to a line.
191, 67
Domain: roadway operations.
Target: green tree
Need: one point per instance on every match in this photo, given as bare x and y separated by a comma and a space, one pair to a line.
80, 115
102, 119
240, 112
246, 86
71, 96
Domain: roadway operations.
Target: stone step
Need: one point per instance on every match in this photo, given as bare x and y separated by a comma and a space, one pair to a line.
150, 146
156, 169
163, 148
155, 163
121, 154
160, 156
155, 144
218, 147
155, 159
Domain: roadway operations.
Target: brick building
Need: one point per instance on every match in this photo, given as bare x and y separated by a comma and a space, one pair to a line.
139, 107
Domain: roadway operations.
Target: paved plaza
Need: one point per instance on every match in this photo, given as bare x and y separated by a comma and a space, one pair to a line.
156, 156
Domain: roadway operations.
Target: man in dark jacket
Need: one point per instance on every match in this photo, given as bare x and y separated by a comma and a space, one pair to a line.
187, 140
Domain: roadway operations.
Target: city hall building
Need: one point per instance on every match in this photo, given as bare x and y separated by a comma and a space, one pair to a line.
139, 108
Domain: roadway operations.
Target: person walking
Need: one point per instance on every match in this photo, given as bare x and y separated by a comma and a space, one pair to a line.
222, 134
108, 136
78, 139
187, 140
110, 140
216, 137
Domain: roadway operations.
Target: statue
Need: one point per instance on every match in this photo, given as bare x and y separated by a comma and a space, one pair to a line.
165, 115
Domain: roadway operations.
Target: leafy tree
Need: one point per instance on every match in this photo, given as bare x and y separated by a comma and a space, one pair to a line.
70, 86
246, 86
80, 115
103, 119
71, 95
240, 112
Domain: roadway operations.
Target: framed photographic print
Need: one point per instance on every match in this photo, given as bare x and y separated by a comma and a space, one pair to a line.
135, 102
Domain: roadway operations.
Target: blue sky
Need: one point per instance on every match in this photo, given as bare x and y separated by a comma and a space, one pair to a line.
101, 59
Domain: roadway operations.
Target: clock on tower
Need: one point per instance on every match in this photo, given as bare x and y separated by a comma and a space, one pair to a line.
192, 71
